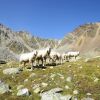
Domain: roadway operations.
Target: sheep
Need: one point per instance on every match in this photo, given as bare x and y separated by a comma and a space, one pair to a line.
59, 58
64, 57
28, 57
53, 56
73, 54
43, 54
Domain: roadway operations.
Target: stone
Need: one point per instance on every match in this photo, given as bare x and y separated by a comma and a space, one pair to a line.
67, 87
37, 90
75, 92
26, 80
96, 79
54, 94
69, 66
32, 75
68, 79
88, 94
81, 67
23, 92
36, 86
51, 67
87, 98
4, 88
44, 84
20, 87
10, 71
52, 75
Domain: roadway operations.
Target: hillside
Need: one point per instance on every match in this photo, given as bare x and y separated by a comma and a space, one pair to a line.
78, 80
85, 39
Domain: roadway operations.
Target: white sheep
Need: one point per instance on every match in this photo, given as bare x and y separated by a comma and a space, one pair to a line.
55, 56
64, 57
28, 57
73, 54
43, 54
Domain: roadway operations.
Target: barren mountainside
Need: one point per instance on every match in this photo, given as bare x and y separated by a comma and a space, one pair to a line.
13, 43
85, 38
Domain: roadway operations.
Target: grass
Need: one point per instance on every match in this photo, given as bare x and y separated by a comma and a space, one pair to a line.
82, 73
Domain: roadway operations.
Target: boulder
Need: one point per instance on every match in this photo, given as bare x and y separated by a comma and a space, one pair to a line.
88, 98
54, 94
4, 87
10, 71
23, 92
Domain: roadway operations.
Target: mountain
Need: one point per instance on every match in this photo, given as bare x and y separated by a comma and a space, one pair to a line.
85, 38
13, 43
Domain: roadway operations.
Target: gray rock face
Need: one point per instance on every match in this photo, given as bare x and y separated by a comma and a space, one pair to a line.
23, 92
54, 94
9, 71
4, 87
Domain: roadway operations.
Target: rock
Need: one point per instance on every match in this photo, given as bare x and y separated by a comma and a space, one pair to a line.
69, 66
62, 77
54, 94
4, 87
98, 66
96, 79
52, 75
87, 98
67, 87
43, 69
32, 75
9, 71
51, 67
44, 84
81, 67
20, 87
69, 79
88, 94
36, 86
60, 74
26, 80
75, 92
23, 92
37, 90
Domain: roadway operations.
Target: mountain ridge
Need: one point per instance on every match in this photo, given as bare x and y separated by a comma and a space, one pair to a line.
84, 38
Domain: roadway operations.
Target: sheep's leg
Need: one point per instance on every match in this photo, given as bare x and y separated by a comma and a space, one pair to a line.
75, 57
24, 64
42, 61
45, 61
38, 62
31, 62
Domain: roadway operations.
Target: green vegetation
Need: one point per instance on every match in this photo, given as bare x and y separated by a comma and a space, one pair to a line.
83, 76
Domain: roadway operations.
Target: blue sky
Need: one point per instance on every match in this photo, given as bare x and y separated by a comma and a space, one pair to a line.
48, 18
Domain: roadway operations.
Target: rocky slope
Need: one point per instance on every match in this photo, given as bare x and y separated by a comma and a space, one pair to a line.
13, 43
85, 39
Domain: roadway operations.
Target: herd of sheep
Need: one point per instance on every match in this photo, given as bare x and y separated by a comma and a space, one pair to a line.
43, 55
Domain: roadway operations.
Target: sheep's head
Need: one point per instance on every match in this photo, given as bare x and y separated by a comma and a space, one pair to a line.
35, 53
49, 51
